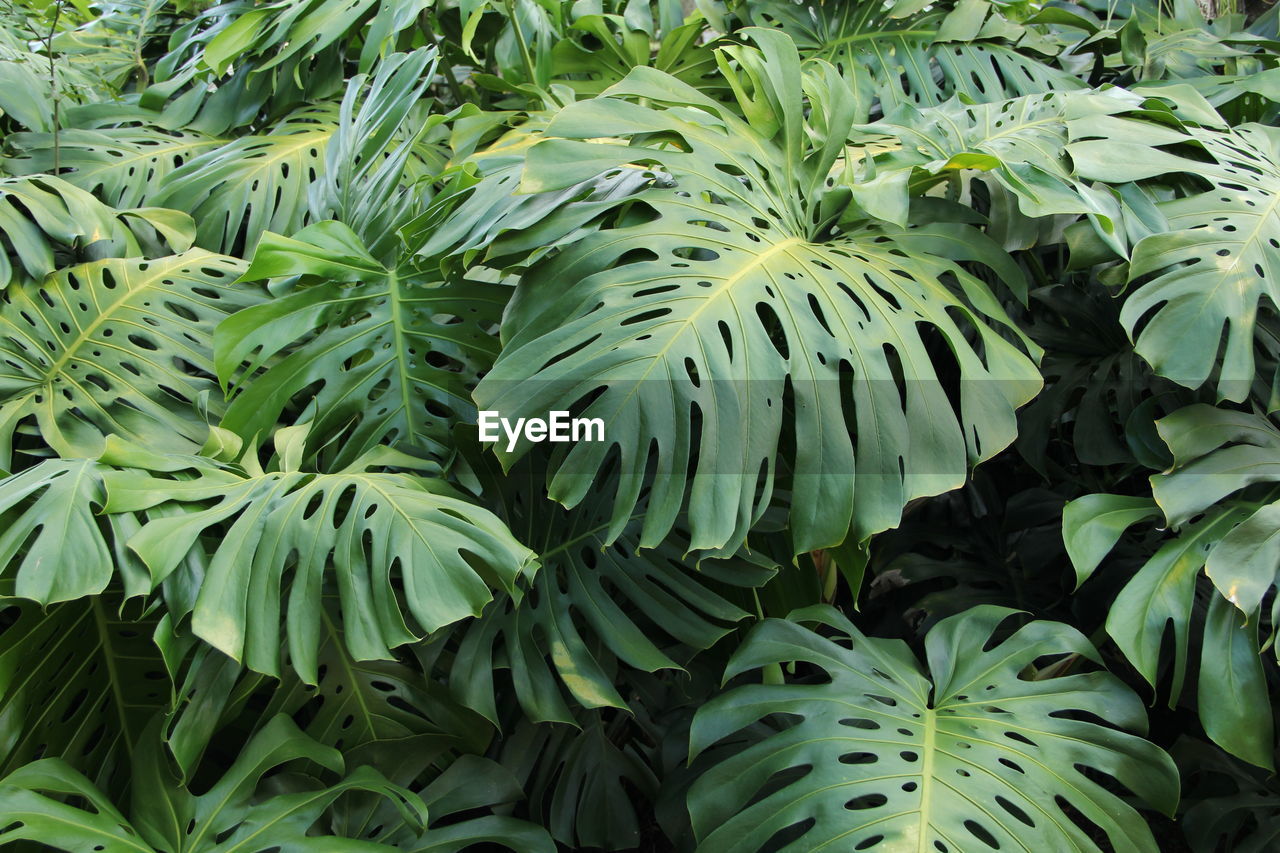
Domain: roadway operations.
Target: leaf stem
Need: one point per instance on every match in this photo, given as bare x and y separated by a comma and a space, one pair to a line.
525, 56
53, 85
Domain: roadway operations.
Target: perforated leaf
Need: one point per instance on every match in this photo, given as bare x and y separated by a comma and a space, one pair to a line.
1221, 504
127, 166
388, 355
116, 347
52, 535
1217, 260
883, 753
725, 319
50, 802
593, 609
405, 553
46, 223
380, 707
255, 183
273, 33
918, 55
79, 682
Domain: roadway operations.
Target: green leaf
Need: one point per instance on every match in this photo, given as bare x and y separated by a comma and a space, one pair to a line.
1227, 534
126, 166
581, 785
116, 347
884, 754
733, 320
1233, 699
593, 606
1231, 803
52, 534
1217, 259
389, 354
379, 706
37, 802
274, 33
369, 533
78, 682
1161, 595
1092, 525
32, 804
914, 55
46, 222
252, 184
461, 800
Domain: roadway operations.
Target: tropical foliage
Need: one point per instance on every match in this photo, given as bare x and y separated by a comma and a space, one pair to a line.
936, 350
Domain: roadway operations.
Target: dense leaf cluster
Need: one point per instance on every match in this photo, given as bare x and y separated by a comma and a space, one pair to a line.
937, 350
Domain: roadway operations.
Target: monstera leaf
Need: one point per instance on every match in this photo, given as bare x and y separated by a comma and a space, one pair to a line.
378, 706
111, 46
1237, 807
582, 785
603, 48
1222, 500
380, 340
48, 802
369, 533
116, 347
884, 754
916, 52
392, 353
62, 550
126, 166
46, 222
78, 681
254, 183
724, 319
274, 33
593, 605
1211, 267
461, 801
374, 175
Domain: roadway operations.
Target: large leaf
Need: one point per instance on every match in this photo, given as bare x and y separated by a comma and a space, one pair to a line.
594, 606
255, 183
78, 682
736, 321
468, 785
915, 52
111, 46
116, 347
1219, 531
46, 222
599, 50
1016, 149
127, 166
1216, 261
61, 548
48, 802
884, 754
1219, 453
466, 805
372, 333
379, 706
274, 33
374, 173
369, 533
1232, 806
1097, 387
391, 353
587, 789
